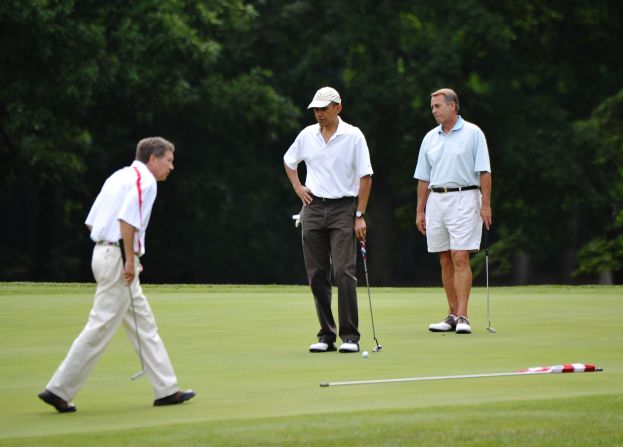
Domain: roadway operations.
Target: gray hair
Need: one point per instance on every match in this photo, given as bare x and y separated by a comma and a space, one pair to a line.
157, 146
449, 95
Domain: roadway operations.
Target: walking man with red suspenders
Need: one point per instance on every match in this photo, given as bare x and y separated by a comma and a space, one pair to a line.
121, 212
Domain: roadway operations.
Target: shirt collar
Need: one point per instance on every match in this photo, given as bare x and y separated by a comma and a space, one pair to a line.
143, 168
457, 126
340, 128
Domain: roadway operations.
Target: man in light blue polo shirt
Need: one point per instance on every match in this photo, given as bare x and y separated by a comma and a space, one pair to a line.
453, 201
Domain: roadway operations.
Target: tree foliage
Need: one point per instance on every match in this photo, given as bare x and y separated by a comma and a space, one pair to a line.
602, 133
228, 83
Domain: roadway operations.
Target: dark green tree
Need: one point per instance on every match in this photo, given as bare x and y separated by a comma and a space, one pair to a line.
600, 140
228, 83
83, 81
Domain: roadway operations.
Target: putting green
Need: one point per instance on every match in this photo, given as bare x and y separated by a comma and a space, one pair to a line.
243, 349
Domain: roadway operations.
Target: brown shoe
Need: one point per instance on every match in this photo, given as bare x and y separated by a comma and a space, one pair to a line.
176, 398
61, 406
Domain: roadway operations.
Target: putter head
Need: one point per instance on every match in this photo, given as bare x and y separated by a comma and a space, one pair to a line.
377, 348
491, 330
138, 375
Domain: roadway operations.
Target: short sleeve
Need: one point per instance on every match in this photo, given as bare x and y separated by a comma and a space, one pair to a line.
423, 168
481, 162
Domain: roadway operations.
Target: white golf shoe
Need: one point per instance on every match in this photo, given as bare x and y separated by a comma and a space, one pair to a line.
321, 346
462, 325
349, 346
447, 325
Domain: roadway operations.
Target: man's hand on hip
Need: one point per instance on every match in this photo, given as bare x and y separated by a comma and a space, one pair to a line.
304, 194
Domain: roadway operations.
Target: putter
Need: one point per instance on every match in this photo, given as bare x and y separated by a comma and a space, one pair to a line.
142, 372
489, 328
364, 255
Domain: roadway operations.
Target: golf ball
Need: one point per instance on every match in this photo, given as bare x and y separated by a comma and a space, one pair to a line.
365, 354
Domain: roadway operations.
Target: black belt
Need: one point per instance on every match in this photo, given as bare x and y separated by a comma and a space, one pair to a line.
339, 199
462, 188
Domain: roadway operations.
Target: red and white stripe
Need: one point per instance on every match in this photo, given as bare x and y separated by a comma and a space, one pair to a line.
140, 203
558, 369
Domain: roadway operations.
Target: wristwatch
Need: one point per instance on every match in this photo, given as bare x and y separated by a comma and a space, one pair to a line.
359, 214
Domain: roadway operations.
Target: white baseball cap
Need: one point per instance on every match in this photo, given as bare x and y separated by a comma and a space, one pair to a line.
324, 97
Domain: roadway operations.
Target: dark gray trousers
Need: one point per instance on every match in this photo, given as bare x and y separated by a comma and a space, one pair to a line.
329, 245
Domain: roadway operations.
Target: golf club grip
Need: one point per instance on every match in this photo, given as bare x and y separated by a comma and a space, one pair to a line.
122, 248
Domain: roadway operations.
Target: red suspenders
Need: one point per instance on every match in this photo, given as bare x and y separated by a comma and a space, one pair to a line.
140, 202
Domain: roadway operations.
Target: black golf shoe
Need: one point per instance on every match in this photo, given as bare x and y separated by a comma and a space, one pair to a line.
176, 398
61, 405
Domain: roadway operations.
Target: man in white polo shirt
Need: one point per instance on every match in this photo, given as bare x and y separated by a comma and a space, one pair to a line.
120, 214
335, 196
453, 201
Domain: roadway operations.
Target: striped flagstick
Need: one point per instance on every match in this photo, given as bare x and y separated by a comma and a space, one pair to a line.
556, 369
566, 368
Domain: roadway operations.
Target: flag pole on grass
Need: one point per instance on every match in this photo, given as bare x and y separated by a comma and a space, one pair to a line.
539, 370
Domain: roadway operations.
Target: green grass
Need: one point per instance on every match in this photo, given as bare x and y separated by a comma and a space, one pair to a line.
243, 349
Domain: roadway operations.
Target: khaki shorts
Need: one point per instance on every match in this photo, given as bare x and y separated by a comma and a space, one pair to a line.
453, 221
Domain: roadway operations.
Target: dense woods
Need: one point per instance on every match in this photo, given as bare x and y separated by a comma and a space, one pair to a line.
229, 81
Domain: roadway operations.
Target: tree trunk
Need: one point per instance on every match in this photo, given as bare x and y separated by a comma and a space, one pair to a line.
606, 278
381, 231
521, 270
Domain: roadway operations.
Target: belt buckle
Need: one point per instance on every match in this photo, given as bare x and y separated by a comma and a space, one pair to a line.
445, 188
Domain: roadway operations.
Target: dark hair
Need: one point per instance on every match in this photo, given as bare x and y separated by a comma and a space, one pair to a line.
157, 146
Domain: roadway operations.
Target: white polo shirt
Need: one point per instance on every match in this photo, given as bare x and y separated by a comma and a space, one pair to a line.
333, 168
129, 195
454, 159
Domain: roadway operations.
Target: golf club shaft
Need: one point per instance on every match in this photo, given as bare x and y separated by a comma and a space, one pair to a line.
364, 255
489, 328
138, 335
487, 275
365, 267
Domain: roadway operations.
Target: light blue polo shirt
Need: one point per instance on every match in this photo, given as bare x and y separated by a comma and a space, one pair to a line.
455, 159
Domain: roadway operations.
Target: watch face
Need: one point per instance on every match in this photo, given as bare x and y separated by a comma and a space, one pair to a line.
358, 214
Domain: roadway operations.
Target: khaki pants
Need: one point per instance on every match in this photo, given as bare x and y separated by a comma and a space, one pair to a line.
329, 245
111, 307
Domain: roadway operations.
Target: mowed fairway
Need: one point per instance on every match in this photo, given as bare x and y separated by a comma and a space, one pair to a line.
243, 349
